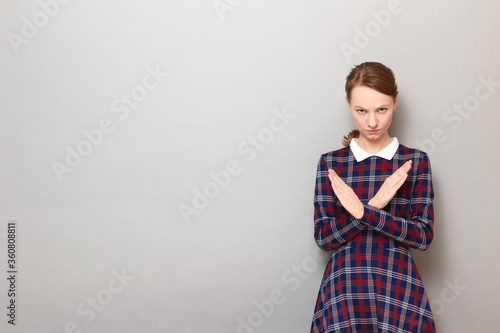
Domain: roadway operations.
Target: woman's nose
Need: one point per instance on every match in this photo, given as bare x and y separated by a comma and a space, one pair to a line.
372, 121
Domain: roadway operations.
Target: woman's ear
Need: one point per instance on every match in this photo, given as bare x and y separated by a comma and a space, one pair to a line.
395, 102
347, 100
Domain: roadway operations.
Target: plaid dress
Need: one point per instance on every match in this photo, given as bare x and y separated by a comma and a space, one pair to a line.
371, 283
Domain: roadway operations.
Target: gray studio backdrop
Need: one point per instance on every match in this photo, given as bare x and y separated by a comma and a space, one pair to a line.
158, 158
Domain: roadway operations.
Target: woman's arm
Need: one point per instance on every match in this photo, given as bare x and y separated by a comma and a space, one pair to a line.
333, 225
417, 230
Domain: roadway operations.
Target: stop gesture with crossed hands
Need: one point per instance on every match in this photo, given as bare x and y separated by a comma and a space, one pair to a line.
350, 200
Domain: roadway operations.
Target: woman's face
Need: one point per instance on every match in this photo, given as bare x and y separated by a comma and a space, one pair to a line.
372, 112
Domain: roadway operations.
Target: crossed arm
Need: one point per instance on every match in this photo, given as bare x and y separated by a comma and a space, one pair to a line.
350, 200
334, 227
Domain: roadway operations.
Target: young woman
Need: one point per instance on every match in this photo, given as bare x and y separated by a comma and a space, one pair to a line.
373, 202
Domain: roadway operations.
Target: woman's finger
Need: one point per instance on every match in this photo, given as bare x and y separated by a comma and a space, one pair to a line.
400, 173
404, 168
336, 181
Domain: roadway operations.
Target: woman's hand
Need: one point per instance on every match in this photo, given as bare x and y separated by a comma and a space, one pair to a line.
390, 186
346, 195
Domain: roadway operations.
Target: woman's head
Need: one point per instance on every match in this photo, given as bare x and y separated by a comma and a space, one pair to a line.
371, 94
373, 75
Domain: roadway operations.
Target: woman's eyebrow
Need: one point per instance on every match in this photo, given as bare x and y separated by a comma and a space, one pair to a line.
382, 106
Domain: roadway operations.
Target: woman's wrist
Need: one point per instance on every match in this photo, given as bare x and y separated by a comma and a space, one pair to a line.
360, 212
373, 202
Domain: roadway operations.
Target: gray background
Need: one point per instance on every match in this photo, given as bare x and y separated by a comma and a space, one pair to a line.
230, 69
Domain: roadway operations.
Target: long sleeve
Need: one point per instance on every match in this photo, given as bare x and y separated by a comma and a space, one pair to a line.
416, 231
333, 225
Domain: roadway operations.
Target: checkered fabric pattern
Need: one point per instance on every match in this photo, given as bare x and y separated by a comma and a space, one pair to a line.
371, 283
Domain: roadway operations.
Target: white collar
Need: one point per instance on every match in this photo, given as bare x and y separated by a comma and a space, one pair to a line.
387, 153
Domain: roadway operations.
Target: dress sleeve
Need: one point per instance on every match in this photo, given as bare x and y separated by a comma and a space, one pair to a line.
416, 231
333, 225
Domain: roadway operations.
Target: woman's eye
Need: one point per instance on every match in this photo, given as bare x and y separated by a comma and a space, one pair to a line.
360, 111
382, 109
